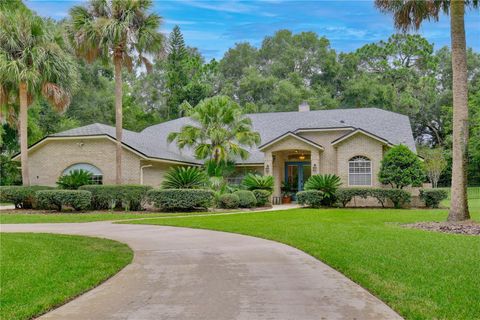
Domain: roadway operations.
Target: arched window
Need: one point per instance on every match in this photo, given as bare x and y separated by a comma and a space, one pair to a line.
359, 171
97, 175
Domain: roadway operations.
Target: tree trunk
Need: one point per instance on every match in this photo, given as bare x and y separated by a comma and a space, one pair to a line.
459, 204
23, 133
118, 116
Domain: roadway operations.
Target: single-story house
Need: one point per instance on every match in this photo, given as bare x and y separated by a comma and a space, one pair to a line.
294, 145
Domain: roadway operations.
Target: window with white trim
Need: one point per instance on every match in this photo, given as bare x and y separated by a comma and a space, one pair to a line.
359, 171
97, 175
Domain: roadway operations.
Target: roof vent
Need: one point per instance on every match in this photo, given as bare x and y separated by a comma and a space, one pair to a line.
341, 121
304, 107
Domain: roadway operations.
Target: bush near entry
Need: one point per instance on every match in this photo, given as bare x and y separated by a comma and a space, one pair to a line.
58, 199
262, 196
311, 198
246, 198
229, 201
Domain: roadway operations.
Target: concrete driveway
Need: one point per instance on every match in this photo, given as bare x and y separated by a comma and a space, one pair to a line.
180, 273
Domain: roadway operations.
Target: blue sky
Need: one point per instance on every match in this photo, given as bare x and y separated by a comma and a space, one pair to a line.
215, 26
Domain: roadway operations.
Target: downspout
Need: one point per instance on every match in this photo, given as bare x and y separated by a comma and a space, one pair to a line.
141, 172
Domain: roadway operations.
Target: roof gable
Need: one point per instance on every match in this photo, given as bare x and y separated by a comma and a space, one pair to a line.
287, 135
360, 131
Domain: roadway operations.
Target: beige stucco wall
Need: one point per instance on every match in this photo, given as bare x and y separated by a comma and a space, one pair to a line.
359, 145
48, 161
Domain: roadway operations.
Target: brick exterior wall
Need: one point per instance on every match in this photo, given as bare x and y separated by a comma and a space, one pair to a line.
48, 161
359, 145
328, 158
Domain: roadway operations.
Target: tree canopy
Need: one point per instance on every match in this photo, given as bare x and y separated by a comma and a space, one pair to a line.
404, 73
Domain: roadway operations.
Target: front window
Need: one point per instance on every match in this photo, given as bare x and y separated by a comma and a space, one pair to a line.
97, 175
360, 171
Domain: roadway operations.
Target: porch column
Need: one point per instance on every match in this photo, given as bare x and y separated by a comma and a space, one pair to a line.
268, 164
315, 161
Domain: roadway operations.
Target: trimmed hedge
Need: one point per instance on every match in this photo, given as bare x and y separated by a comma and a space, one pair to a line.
229, 201
22, 197
127, 197
246, 198
398, 197
181, 199
57, 199
433, 197
311, 198
262, 196
345, 195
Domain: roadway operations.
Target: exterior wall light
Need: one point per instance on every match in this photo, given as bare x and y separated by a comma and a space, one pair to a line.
267, 169
314, 169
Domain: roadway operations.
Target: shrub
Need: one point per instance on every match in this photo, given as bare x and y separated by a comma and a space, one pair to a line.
433, 197
397, 196
229, 201
253, 181
345, 195
22, 197
246, 198
181, 199
311, 198
328, 184
262, 196
382, 195
77, 199
401, 167
75, 179
185, 178
128, 197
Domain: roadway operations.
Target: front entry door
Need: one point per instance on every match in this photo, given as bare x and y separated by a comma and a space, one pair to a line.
296, 173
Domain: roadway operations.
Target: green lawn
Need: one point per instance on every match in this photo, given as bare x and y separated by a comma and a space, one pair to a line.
420, 274
42, 271
15, 217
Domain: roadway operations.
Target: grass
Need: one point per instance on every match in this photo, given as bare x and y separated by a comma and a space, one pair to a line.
42, 271
420, 274
25, 217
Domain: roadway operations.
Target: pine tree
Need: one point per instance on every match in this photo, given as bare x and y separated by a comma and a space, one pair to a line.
177, 76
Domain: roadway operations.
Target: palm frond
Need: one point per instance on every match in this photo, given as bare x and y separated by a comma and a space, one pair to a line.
56, 95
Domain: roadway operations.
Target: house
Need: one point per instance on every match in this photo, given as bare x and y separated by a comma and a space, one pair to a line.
294, 145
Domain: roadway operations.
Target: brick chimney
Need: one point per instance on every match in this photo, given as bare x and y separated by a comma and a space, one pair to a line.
304, 107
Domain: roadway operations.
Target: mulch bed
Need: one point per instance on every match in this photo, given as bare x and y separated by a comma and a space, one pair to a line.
467, 228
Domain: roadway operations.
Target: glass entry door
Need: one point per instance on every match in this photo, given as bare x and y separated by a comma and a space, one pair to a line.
296, 173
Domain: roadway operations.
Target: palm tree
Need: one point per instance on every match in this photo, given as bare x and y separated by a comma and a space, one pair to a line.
32, 64
221, 131
409, 14
123, 31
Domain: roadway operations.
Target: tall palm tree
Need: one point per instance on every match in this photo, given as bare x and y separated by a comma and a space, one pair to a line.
409, 14
220, 131
32, 64
123, 31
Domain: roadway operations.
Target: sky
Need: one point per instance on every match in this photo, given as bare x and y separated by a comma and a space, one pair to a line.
215, 26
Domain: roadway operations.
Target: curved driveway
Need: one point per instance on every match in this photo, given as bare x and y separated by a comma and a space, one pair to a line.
180, 273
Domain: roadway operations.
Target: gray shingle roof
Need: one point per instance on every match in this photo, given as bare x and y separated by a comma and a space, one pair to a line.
393, 127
